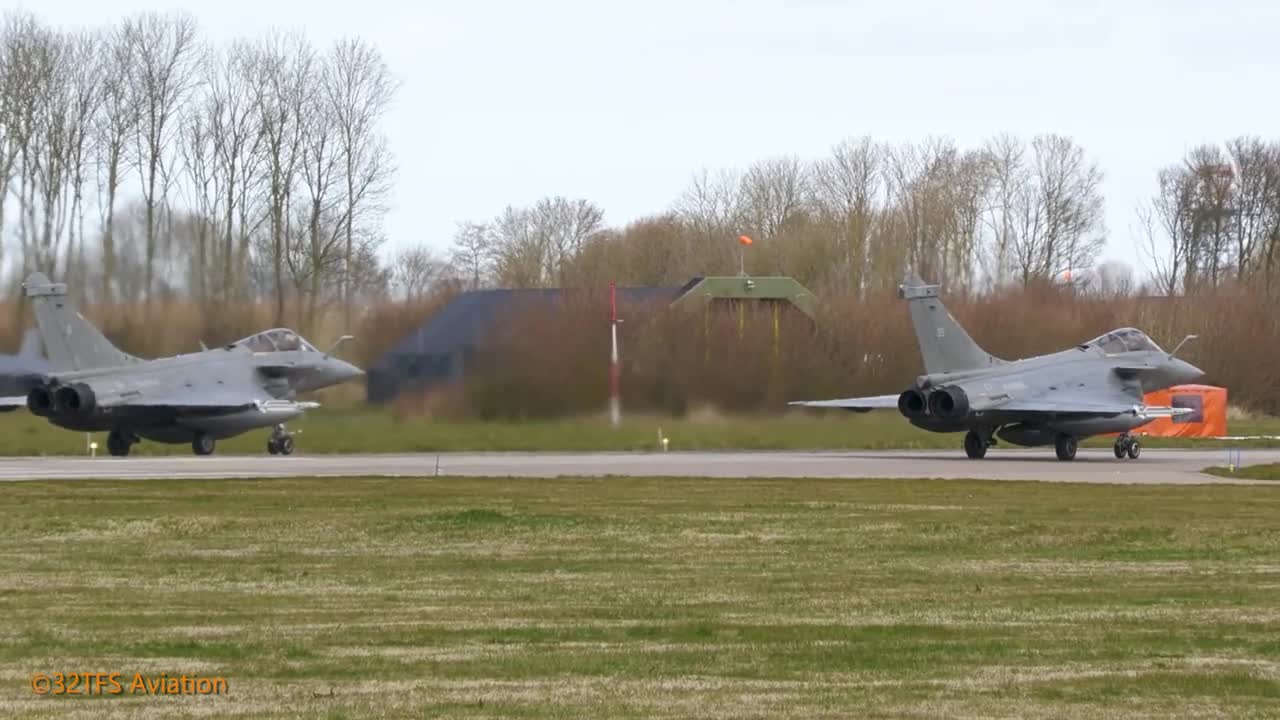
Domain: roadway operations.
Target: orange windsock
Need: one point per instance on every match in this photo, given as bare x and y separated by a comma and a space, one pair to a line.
744, 240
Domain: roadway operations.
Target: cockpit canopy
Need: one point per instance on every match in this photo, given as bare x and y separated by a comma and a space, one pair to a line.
1124, 340
277, 340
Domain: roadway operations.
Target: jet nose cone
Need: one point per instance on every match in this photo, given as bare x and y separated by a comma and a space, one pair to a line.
1185, 372
347, 371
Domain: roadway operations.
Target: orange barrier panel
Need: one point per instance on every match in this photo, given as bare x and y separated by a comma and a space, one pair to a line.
1209, 420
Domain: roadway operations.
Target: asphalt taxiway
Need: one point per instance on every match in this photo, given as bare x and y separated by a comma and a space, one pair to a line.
1091, 466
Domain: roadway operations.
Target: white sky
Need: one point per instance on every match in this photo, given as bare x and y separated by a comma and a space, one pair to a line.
506, 102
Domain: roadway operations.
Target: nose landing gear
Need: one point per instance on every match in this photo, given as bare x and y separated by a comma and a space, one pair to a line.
280, 442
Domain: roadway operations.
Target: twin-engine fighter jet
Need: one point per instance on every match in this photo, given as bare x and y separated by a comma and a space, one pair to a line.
201, 397
1096, 387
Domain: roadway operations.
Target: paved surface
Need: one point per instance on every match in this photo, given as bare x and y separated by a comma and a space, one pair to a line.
1097, 466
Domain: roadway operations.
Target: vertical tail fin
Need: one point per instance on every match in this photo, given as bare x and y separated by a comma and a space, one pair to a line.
30, 347
70, 341
944, 345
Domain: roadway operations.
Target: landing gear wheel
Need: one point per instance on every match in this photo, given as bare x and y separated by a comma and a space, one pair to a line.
1066, 446
280, 446
203, 444
1127, 446
974, 446
280, 442
118, 443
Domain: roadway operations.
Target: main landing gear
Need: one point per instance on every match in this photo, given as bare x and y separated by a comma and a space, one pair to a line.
1066, 446
118, 443
975, 445
1127, 445
280, 442
203, 444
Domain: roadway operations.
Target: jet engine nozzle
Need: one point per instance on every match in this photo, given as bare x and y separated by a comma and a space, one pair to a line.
912, 403
40, 401
949, 402
77, 400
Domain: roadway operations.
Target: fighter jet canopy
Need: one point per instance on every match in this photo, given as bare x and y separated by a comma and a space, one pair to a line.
276, 340
1124, 340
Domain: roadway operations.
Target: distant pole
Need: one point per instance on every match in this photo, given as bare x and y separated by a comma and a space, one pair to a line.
615, 379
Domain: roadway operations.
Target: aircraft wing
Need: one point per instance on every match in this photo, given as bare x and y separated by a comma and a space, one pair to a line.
862, 404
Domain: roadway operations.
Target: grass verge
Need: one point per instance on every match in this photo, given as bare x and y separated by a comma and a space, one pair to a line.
645, 597
1268, 471
367, 430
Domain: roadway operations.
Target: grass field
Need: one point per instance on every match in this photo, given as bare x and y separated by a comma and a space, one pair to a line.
329, 430
646, 598
1268, 471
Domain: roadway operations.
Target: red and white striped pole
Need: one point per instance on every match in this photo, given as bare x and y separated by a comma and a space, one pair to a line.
615, 378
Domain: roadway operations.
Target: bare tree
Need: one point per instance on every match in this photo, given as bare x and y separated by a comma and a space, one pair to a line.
1061, 216
712, 209
1257, 199
86, 76
41, 126
197, 149
917, 177
1009, 178
416, 271
115, 124
1213, 210
561, 227
163, 62
320, 167
282, 79
846, 188
1170, 216
773, 193
235, 142
11, 82
472, 254
519, 255
360, 88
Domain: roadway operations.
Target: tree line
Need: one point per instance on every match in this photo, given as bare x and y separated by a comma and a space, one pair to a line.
1009, 212
144, 162
1010, 209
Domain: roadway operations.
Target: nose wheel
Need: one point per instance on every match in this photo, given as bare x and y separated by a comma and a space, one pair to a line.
280, 442
1127, 446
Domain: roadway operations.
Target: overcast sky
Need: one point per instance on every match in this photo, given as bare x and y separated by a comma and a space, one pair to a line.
506, 102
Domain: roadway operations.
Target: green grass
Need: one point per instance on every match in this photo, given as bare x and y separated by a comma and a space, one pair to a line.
1270, 471
371, 430
697, 598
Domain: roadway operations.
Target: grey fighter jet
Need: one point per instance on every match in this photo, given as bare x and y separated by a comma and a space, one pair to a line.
198, 397
1058, 399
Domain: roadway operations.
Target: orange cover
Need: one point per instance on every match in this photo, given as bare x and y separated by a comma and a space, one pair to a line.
1209, 420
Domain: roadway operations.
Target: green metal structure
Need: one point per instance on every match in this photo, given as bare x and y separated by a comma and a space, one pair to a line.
776, 289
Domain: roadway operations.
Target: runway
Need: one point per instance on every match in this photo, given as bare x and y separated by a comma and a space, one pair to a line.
1090, 466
